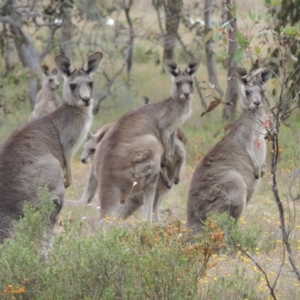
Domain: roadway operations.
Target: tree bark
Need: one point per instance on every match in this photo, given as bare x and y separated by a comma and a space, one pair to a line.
129, 55
29, 57
210, 61
66, 30
232, 91
172, 13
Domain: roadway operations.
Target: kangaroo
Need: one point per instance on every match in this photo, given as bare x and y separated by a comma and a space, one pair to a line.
38, 154
87, 156
169, 176
128, 160
228, 175
46, 100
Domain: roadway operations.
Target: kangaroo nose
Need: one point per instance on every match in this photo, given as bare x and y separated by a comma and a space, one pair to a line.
83, 160
186, 95
86, 101
256, 103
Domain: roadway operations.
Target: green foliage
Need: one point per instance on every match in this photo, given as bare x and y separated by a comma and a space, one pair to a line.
13, 91
235, 236
148, 261
141, 55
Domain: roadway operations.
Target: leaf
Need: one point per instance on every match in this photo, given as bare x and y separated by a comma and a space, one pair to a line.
290, 30
221, 55
238, 55
212, 106
251, 16
276, 2
224, 40
208, 36
257, 49
241, 39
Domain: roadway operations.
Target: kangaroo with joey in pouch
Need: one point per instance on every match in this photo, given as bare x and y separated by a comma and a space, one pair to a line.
169, 175
164, 184
47, 99
38, 154
129, 158
226, 178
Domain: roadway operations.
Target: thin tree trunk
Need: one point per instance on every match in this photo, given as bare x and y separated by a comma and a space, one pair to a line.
232, 92
129, 56
172, 12
210, 61
66, 30
29, 57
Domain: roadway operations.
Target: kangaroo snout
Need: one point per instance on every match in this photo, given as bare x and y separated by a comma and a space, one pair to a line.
86, 101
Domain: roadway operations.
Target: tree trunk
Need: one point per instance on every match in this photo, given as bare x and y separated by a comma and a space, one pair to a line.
172, 12
232, 92
210, 61
129, 55
66, 30
29, 57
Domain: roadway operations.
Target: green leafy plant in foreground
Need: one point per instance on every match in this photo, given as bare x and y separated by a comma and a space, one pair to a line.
146, 261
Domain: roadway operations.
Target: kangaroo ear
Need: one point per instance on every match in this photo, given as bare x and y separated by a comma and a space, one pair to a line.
89, 136
242, 74
171, 67
54, 71
45, 69
266, 75
64, 65
92, 63
193, 67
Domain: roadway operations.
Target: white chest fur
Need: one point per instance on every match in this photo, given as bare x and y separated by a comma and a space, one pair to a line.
85, 128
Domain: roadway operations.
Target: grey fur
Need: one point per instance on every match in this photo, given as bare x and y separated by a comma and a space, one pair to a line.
128, 159
38, 154
47, 99
228, 175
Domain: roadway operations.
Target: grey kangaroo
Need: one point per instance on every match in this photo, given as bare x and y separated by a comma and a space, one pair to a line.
47, 99
38, 154
228, 175
128, 160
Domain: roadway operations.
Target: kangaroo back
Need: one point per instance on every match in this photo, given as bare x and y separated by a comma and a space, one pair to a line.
38, 154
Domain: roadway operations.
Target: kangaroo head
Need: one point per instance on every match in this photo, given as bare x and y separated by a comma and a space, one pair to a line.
183, 81
50, 79
78, 83
89, 148
254, 85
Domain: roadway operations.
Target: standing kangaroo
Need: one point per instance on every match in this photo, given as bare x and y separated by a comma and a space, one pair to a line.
46, 100
38, 154
227, 176
129, 158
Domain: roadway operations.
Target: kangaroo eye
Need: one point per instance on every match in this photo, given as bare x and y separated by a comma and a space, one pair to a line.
247, 93
91, 84
178, 84
191, 83
50, 80
72, 86
92, 150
